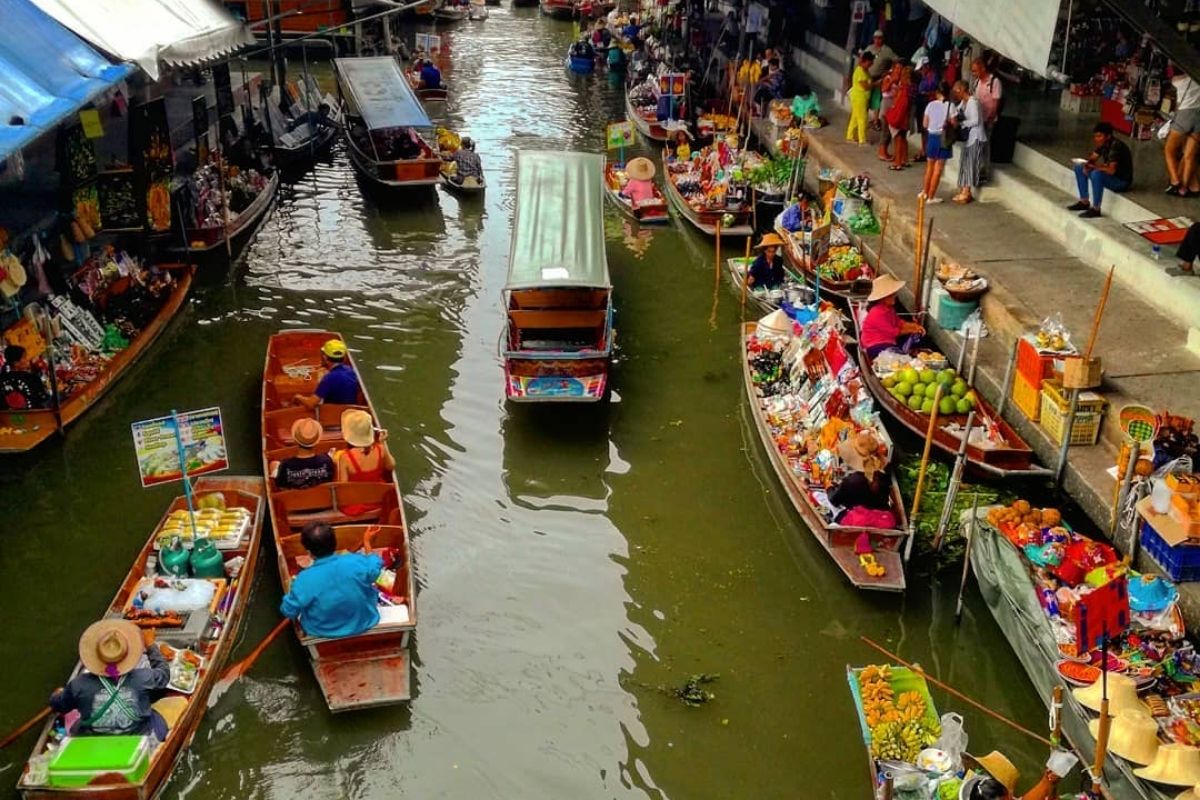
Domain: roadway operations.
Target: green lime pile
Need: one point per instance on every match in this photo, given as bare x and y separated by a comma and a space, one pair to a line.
917, 389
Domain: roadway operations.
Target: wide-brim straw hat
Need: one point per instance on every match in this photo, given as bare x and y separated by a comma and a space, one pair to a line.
1174, 765
858, 449
1191, 794
996, 765
640, 169
769, 240
1122, 694
306, 431
111, 647
884, 286
1133, 736
14, 277
358, 429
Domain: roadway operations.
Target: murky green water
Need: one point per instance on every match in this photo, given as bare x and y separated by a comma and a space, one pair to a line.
571, 561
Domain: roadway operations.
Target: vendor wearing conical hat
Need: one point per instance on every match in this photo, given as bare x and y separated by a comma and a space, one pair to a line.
882, 327
767, 270
640, 187
113, 693
867, 484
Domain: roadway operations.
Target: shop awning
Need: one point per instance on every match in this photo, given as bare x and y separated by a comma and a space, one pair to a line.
1022, 30
378, 92
153, 32
46, 74
558, 228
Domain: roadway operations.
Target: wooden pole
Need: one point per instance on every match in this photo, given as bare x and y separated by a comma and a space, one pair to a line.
955, 693
1135, 452
712, 318
1087, 354
745, 278
1056, 705
887, 212
962, 584
12, 737
916, 504
924, 264
917, 248
960, 461
1105, 724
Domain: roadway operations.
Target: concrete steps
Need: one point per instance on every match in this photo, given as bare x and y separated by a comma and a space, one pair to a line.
823, 64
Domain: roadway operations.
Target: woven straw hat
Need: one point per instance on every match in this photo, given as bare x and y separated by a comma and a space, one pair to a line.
306, 431
111, 647
884, 286
1174, 765
769, 240
14, 277
1122, 694
1191, 794
1133, 736
996, 765
358, 429
640, 168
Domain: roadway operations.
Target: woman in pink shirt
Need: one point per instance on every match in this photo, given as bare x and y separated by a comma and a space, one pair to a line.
882, 327
640, 187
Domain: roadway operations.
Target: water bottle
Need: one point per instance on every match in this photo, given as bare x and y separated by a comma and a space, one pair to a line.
1156, 250
1050, 602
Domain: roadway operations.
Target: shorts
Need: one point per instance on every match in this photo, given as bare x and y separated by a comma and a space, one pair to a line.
876, 98
1186, 120
934, 148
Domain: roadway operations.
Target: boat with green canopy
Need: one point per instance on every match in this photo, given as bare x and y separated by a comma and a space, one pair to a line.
558, 336
383, 122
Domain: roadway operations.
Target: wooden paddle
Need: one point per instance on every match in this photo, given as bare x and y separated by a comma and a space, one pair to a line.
12, 737
242, 667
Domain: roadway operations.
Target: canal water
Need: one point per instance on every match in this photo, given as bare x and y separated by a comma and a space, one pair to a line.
575, 565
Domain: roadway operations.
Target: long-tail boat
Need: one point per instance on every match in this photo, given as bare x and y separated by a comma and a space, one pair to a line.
648, 212
371, 668
23, 430
216, 629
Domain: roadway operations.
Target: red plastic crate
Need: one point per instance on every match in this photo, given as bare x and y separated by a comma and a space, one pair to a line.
1032, 365
1027, 397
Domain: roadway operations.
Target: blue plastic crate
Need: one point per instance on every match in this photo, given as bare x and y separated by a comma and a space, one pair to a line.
1181, 562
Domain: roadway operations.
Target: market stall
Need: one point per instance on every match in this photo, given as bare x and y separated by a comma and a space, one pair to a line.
711, 189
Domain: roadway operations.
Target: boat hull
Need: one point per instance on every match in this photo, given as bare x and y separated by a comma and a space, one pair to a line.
207, 241
838, 542
708, 221
559, 9
302, 156
396, 175
179, 737
580, 65
24, 430
800, 263
650, 128
555, 379
460, 189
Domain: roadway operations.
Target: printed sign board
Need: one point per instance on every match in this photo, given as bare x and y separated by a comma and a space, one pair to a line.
619, 134
201, 436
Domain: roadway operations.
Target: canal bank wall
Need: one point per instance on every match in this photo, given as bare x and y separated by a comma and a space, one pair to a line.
1032, 276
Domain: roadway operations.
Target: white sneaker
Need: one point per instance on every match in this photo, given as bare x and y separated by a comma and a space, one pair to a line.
935, 200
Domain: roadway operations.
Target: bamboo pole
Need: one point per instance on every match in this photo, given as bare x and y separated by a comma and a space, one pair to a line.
920, 224
920, 297
955, 693
745, 278
916, 504
712, 318
16, 734
887, 212
1087, 355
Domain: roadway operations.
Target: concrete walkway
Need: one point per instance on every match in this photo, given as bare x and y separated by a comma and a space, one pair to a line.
1032, 276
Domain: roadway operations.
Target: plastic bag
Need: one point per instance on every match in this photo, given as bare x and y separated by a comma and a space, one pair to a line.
953, 739
195, 595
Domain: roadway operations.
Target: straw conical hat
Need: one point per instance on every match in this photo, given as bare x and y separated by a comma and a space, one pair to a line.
769, 240
1174, 765
1122, 694
884, 286
775, 324
1133, 736
996, 765
640, 168
1191, 794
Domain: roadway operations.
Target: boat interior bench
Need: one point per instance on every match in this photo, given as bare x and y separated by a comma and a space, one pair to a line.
278, 422
330, 502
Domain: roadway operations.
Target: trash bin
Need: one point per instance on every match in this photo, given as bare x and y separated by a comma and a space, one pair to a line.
1004, 139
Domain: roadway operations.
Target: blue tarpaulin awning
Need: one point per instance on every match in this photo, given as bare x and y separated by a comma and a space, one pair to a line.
379, 92
46, 74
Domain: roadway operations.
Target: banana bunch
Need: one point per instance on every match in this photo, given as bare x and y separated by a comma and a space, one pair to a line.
887, 741
875, 672
877, 696
911, 706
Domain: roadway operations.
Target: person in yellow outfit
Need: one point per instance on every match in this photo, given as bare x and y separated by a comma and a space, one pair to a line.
860, 98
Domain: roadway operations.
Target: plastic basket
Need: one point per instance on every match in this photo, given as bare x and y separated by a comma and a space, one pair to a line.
1181, 562
1033, 366
1088, 413
1026, 397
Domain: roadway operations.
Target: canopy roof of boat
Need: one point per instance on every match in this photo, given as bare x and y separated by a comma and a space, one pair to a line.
377, 90
558, 228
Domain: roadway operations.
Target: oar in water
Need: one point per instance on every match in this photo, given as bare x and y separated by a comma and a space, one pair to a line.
12, 737
242, 667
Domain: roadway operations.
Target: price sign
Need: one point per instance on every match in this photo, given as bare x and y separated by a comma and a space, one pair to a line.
90, 119
619, 135
1102, 613
672, 84
431, 43
164, 446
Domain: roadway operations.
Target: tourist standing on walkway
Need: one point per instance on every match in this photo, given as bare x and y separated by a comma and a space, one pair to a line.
1184, 134
969, 118
927, 83
1109, 166
989, 91
898, 117
937, 117
859, 96
888, 87
883, 56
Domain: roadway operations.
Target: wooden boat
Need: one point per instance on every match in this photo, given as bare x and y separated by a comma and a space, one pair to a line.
560, 9
372, 668
524, 3
793, 289
425, 94
837, 541
581, 65
24, 430
1010, 456
800, 261
308, 138
205, 239
707, 219
646, 121
301, 154
456, 186
650, 212
450, 13
381, 107
238, 492
477, 12
557, 341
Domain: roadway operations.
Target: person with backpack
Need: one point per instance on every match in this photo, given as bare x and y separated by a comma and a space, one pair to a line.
940, 129
989, 91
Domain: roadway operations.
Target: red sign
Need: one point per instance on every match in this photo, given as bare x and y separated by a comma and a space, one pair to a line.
1102, 613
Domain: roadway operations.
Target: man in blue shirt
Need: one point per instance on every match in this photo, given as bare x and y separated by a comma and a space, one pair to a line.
336, 596
339, 384
431, 76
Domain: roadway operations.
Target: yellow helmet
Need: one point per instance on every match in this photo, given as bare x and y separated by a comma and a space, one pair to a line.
334, 349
